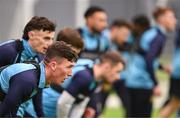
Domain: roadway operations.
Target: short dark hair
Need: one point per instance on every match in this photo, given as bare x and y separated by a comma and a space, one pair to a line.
141, 20
120, 23
160, 11
72, 37
38, 23
91, 10
60, 49
141, 23
113, 57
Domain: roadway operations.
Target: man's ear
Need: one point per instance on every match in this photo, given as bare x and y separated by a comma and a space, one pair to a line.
53, 65
30, 34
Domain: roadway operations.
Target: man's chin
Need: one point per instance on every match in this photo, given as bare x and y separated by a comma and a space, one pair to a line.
63, 80
43, 52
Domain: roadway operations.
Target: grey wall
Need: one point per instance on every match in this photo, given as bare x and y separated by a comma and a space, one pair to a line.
7, 8
63, 12
14, 15
60, 11
126, 8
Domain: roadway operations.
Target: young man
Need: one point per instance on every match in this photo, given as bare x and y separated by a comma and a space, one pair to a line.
51, 94
142, 83
169, 108
95, 42
37, 36
84, 83
19, 82
174, 92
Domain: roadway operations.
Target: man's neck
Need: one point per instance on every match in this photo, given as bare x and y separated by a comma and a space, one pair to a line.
97, 72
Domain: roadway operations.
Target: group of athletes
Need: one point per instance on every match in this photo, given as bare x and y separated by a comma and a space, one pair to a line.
71, 76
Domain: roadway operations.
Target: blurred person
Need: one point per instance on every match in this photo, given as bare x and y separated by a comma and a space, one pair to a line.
118, 34
174, 4
173, 103
95, 42
20, 82
142, 83
38, 35
140, 23
85, 81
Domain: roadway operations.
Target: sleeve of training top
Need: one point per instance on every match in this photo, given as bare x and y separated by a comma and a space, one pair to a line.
177, 40
80, 81
64, 105
78, 109
151, 55
37, 102
7, 55
21, 87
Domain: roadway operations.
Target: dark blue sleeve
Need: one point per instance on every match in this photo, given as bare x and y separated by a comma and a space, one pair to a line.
177, 40
80, 82
7, 54
151, 55
37, 102
20, 88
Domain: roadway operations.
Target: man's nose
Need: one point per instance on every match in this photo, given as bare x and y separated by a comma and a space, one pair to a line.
70, 72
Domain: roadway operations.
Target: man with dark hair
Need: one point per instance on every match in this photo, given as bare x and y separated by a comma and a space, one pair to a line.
142, 83
38, 34
95, 42
51, 94
35, 40
19, 82
85, 81
38, 23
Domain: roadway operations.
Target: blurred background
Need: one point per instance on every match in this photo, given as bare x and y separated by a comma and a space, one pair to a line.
14, 14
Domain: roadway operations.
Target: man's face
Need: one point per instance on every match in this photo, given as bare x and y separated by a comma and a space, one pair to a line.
62, 71
98, 21
113, 72
121, 34
169, 20
40, 40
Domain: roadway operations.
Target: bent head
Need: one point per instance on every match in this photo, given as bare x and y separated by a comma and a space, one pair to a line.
72, 37
59, 60
111, 64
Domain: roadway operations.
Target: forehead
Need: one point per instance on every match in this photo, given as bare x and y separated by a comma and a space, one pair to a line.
43, 33
118, 66
123, 28
65, 62
100, 14
169, 13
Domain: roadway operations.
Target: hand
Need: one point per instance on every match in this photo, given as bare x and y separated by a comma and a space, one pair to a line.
157, 91
89, 112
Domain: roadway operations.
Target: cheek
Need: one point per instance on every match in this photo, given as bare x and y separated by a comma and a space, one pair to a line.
38, 43
59, 76
102, 24
50, 42
62, 72
42, 42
